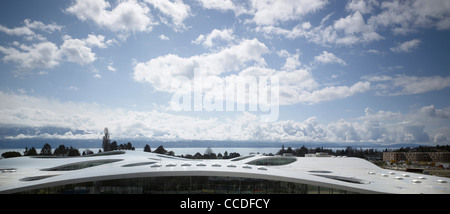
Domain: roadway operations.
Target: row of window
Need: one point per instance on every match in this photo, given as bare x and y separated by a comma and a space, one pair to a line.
187, 185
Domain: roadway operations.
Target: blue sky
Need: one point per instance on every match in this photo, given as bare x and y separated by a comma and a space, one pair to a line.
351, 71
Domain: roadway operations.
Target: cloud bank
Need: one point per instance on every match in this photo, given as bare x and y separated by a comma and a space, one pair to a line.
426, 124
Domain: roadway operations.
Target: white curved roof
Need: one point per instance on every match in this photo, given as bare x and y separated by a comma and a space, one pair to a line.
352, 174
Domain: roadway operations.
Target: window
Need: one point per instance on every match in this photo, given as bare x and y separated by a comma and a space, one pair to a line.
188, 185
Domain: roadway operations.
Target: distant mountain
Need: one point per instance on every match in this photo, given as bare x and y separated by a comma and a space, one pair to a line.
21, 137
37, 131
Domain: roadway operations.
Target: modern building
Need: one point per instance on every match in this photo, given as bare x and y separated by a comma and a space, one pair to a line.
416, 156
126, 172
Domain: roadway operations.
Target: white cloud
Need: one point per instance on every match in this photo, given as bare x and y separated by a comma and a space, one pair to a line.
404, 17
110, 67
49, 55
176, 10
38, 25
39, 55
76, 51
406, 47
296, 85
350, 30
18, 31
333, 93
325, 57
217, 4
401, 17
355, 30
427, 124
163, 37
161, 70
292, 60
27, 30
126, 17
73, 88
97, 41
273, 12
214, 37
362, 6
407, 85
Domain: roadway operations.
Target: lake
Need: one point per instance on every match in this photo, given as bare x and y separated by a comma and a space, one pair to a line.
189, 150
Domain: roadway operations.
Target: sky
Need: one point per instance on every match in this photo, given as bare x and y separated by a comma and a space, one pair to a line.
356, 71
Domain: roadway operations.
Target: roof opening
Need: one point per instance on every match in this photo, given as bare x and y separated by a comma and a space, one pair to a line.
345, 179
320, 171
81, 165
35, 178
272, 161
138, 164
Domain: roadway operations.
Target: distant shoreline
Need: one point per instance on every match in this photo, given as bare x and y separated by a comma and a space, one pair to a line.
95, 143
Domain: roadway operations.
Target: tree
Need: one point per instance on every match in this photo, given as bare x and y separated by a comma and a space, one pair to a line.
208, 151
129, 146
30, 152
106, 140
113, 146
60, 151
11, 154
160, 150
73, 152
87, 152
147, 148
46, 149
209, 154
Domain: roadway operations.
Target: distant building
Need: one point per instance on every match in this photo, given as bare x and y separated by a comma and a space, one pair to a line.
416, 156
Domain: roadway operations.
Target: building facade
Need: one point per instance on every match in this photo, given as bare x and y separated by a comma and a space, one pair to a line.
134, 172
416, 156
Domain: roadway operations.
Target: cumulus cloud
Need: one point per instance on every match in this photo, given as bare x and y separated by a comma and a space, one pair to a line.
163, 37
162, 70
406, 47
362, 6
292, 60
48, 55
333, 93
424, 125
17, 31
401, 17
217, 4
98, 41
176, 10
272, 12
28, 30
325, 57
352, 29
39, 55
76, 51
126, 17
407, 85
213, 38
131, 16
404, 17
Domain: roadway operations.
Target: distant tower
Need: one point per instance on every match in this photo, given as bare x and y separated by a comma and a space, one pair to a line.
106, 141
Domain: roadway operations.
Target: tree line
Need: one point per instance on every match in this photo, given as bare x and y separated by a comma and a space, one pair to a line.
107, 145
348, 151
208, 154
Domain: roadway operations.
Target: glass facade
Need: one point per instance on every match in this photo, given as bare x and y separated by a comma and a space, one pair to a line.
188, 185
